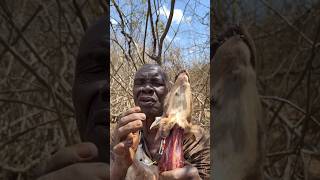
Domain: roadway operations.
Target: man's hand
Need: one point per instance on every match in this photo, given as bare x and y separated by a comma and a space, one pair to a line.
126, 137
73, 163
188, 172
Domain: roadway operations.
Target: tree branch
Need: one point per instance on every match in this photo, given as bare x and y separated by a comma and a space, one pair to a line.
24, 63
166, 30
79, 13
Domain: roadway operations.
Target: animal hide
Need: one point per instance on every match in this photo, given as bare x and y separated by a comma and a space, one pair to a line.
237, 122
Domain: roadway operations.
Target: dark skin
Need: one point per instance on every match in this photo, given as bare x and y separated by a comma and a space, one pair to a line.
149, 91
88, 160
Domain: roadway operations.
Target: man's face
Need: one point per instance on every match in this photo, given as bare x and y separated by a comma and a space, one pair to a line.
149, 90
90, 89
91, 114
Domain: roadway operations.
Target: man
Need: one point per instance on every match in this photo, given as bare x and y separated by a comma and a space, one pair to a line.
87, 161
149, 91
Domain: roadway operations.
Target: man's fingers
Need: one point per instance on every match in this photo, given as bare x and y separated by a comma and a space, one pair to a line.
187, 172
122, 148
131, 117
77, 153
135, 109
131, 127
80, 171
130, 121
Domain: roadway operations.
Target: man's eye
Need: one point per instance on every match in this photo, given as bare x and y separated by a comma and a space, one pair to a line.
158, 84
138, 83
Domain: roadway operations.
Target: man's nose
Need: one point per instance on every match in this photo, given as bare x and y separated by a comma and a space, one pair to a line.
147, 89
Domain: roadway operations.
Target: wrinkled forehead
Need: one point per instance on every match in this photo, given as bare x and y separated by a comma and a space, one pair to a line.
151, 71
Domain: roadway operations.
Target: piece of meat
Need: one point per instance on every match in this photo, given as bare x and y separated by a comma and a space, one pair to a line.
172, 156
175, 122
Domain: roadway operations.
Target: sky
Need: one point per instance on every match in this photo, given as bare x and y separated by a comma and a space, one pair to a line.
192, 32
186, 31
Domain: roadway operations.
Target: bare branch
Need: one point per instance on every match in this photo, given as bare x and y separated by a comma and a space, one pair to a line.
145, 35
32, 105
15, 136
31, 70
305, 37
166, 30
152, 30
298, 82
80, 14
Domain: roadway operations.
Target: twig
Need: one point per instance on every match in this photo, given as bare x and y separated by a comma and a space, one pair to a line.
284, 120
176, 32
291, 104
32, 105
19, 169
13, 123
121, 85
152, 30
33, 49
79, 13
19, 91
15, 136
24, 27
145, 34
24, 63
297, 83
128, 37
280, 153
305, 37
60, 118
166, 30
304, 130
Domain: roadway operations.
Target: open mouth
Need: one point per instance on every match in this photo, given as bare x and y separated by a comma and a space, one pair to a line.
146, 100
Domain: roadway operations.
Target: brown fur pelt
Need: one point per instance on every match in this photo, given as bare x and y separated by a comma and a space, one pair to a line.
237, 118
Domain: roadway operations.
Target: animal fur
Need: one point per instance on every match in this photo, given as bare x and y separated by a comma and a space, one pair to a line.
177, 106
237, 122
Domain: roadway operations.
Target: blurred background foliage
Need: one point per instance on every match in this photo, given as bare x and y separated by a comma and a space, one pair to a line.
286, 35
39, 43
